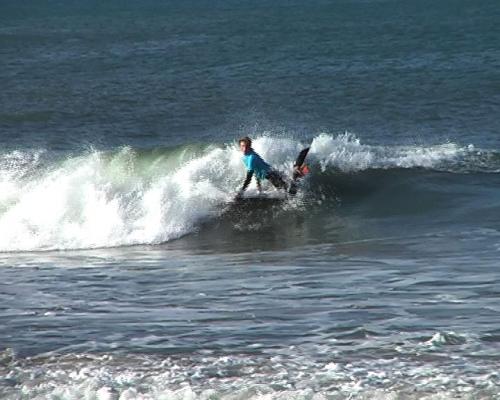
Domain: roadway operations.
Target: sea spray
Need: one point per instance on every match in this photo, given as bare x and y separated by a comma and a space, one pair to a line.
346, 153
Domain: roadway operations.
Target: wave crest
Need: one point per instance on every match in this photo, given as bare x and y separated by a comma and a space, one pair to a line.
131, 196
346, 153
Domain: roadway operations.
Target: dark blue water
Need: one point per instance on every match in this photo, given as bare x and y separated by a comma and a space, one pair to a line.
127, 272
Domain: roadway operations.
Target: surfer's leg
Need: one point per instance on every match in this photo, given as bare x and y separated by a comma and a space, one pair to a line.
277, 180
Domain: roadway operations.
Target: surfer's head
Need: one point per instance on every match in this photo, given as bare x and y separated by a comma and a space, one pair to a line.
245, 144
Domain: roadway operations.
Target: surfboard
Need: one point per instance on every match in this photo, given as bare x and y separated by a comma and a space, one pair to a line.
260, 200
253, 205
300, 169
301, 157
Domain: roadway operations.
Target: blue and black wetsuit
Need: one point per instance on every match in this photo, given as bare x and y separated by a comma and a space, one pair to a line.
262, 170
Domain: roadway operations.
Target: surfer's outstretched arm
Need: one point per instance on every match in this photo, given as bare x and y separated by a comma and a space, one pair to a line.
247, 181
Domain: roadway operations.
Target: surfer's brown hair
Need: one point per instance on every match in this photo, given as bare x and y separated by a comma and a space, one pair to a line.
246, 140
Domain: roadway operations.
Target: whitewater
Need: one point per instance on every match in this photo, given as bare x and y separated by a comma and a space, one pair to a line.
133, 196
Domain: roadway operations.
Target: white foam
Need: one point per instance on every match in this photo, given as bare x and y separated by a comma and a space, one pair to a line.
91, 201
247, 378
446, 338
346, 153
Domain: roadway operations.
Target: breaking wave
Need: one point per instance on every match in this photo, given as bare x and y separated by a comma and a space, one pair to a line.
132, 196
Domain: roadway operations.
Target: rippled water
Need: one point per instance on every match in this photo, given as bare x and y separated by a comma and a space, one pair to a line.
127, 272
363, 318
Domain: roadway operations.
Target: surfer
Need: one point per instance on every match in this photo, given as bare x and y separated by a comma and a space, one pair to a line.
255, 165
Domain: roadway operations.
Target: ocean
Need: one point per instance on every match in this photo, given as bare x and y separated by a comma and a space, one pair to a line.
128, 273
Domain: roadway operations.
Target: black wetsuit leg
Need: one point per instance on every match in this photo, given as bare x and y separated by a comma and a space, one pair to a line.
277, 180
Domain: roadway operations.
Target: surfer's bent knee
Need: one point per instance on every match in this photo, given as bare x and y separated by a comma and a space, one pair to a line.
276, 179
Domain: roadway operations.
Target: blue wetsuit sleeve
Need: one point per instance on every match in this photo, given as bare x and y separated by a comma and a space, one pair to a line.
250, 162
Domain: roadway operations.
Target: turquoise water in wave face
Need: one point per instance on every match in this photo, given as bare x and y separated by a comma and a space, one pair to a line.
126, 275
